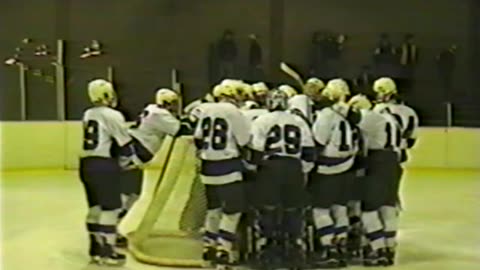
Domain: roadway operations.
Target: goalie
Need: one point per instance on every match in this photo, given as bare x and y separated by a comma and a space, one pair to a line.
155, 121
283, 149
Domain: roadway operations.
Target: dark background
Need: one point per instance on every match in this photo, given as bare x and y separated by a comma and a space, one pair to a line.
145, 39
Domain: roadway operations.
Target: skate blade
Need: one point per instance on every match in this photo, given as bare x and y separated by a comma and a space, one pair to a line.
113, 263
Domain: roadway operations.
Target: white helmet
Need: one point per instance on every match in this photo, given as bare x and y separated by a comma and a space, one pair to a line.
165, 96
260, 88
288, 90
336, 90
224, 90
238, 86
277, 100
360, 102
313, 87
231, 82
316, 81
247, 92
384, 86
101, 92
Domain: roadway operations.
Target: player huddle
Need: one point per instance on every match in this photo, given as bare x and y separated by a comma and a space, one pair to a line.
302, 180
291, 179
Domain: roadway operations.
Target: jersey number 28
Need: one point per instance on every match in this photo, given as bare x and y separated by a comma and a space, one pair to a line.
214, 133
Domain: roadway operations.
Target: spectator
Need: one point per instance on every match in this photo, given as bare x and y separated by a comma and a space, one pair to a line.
255, 60
318, 66
446, 61
408, 54
384, 57
334, 52
363, 82
227, 55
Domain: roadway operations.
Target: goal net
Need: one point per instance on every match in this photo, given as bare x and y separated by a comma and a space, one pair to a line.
169, 232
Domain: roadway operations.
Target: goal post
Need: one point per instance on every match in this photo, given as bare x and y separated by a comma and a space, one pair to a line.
169, 232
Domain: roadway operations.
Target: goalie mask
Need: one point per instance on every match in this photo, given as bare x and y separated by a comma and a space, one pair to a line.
101, 93
385, 89
167, 99
277, 100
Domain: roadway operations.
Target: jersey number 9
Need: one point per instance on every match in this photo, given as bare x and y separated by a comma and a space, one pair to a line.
290, 134
214, 133
90, 135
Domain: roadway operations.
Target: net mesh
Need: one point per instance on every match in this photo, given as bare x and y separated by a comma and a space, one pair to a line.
169, 232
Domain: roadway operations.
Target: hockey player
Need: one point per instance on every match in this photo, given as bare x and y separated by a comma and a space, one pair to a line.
383, 139
189, 108
329, 183
388, 102
260, 91
155, 121
408, 121
304, 104
103, 127
222, 131
283, 149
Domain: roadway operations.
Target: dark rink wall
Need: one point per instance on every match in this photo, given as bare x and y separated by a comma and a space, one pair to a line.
145, 39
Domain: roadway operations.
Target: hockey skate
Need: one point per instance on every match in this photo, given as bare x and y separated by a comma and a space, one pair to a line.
112, 258
373, 258
95, 251
121, 242
326, 258
389, 255
209, 256
224, 260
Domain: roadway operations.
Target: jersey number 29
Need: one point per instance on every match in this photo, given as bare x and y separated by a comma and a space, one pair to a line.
290, 134
214, 133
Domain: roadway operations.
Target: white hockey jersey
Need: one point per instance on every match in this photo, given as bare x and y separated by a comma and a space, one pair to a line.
406, 117
282, 133
332, 130
101, 126
152, 126
380, 131
253, 114
221, 132
301, 103
192, 105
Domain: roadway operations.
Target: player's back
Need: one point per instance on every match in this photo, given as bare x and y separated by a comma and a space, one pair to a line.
281, 133
252, 114
381, 130
221, 129
406, 117
301, 104
152, 126
101, 126
332, 130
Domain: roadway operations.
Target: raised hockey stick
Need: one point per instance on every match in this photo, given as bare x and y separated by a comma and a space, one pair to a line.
292, 73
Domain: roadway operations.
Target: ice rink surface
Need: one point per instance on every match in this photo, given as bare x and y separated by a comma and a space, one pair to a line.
43, 221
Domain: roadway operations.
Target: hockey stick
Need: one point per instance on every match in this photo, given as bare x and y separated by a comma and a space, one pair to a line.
292, 73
